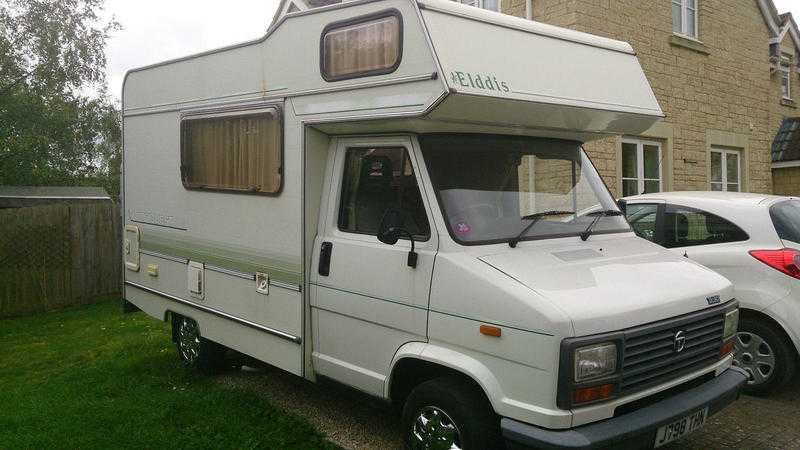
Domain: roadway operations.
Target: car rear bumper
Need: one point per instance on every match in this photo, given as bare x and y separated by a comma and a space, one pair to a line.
635, 428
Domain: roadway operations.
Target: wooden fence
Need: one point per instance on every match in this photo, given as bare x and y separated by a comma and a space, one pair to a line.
59, 255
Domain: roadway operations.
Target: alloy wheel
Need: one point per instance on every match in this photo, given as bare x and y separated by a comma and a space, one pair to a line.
189, 341
434, 429
754, 354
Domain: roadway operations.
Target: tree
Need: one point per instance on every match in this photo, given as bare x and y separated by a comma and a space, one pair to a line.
57, 124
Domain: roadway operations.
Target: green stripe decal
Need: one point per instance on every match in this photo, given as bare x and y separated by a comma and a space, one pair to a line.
282, 268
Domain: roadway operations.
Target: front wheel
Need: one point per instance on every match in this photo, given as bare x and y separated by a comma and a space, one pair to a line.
194, 350
764, 353
449, 413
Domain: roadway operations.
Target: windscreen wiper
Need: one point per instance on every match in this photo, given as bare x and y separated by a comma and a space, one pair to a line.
598, 215
535, 218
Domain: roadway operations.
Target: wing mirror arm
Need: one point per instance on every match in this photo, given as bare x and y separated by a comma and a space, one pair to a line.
390, 231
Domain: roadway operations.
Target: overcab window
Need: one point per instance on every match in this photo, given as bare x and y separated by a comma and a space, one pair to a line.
369, 45
240, 153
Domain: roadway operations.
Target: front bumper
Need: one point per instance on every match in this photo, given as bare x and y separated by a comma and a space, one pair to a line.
636, 427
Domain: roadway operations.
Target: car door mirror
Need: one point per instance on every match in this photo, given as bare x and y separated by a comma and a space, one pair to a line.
391, 229
623, 206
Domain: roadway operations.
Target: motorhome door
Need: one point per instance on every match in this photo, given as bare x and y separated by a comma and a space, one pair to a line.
366, 299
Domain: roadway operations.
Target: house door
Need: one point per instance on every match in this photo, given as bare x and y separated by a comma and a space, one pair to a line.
366, 300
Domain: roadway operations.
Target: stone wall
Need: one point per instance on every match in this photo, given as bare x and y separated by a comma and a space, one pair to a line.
717, 92
786, 181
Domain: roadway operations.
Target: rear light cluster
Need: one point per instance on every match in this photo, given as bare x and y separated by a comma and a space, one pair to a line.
786, 260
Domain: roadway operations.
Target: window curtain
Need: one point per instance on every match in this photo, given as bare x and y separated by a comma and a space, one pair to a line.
362, 47
233, 153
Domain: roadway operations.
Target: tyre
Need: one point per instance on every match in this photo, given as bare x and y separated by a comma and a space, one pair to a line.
449, 413
763, 351
194, 350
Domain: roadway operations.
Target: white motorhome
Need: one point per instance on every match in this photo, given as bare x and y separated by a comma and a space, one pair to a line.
393, 194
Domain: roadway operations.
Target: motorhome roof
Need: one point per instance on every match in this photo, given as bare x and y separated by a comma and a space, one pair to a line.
531, 26
459, 66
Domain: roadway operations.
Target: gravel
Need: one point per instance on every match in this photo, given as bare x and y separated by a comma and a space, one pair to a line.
355, 420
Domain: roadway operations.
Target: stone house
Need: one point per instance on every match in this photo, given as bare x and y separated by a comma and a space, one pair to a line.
725, 73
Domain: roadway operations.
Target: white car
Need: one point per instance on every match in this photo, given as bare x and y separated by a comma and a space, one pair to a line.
754, 241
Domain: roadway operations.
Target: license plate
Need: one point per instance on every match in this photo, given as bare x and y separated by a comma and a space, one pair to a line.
681, 427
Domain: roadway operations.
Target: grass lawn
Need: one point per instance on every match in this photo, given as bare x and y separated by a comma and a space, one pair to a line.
94, 378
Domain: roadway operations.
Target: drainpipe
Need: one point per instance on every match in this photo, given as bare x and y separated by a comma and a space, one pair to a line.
529, 9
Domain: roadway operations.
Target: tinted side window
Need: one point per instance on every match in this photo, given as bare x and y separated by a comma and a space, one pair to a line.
685, 227
642, 218
786, 219
374, 180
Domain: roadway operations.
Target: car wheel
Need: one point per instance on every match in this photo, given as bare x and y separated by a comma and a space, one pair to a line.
449, 413
764, 353
194, 350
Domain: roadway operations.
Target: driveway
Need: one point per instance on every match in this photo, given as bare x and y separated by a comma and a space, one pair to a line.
358, 421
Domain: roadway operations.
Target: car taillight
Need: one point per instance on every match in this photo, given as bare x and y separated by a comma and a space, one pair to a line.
787, 260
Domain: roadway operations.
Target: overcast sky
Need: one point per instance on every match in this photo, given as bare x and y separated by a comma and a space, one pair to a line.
156, 30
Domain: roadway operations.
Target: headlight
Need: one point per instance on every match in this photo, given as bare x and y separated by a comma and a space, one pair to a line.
595, 361
731, 324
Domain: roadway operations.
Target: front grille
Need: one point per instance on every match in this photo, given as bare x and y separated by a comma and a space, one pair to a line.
649, 353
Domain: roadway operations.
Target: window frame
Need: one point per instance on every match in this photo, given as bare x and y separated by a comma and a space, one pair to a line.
640, 179
785, 69
392, 12
234, 112
658, 226
684, 15
340, 187
480, 4
440, 202
724, 168
662, 226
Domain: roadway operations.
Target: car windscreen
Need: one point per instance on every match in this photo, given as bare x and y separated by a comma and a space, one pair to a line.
786, 219
489, 187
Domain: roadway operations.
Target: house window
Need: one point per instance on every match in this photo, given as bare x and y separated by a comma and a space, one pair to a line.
726, 170
491, 5
684, 18
241, 152
786, 79
641, 167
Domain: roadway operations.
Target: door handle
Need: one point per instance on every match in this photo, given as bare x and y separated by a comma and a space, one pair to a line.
325, 259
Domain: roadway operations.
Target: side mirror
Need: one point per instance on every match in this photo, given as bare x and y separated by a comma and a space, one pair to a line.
391, 229
391, 226
623, 205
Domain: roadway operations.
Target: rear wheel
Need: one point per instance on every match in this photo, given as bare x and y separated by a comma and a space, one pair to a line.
449, 413
764, 353
194, 350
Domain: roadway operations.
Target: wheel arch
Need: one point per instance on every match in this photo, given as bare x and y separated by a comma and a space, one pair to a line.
417, 362
775, 322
